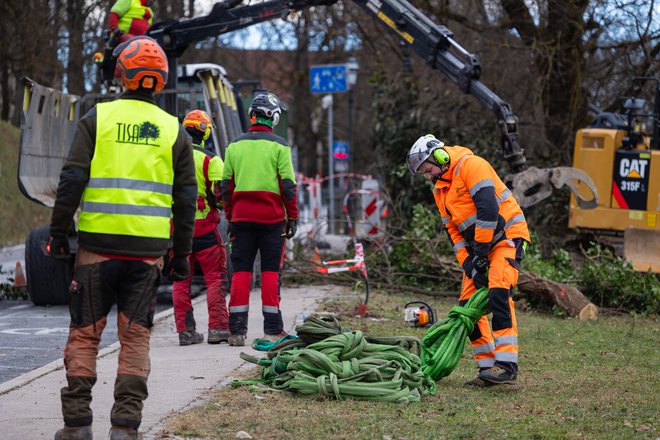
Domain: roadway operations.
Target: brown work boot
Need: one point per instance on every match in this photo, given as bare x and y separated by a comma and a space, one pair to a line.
497, 375
191, 337
217, 336
275, 338
124, 433
74, 433
236, 340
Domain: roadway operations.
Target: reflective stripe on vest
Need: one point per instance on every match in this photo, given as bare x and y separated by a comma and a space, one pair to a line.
131, 176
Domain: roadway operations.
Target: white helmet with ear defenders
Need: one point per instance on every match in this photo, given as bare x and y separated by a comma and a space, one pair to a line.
423, 148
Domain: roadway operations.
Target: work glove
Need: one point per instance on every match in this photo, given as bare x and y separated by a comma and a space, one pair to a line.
178, 269
479, 279
291, 228
480, 263
58, 247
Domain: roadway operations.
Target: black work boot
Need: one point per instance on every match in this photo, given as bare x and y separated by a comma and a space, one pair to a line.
217, 336
124, 433
236, 340
497, 375
74, 433
189, 338
478, 382
275, 338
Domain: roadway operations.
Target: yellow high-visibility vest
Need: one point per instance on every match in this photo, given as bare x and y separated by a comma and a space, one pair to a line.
136, 10
131, 175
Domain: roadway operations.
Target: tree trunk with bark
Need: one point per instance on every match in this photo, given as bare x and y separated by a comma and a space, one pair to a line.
563, 295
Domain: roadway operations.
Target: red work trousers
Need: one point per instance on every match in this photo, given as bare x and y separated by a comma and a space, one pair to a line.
213, 262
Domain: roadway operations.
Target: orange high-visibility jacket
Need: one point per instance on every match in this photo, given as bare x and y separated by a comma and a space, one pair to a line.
477, 208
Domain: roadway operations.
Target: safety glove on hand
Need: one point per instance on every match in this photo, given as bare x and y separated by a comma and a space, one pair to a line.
178, 269
478, 278
58, 247
480, 263
291, 228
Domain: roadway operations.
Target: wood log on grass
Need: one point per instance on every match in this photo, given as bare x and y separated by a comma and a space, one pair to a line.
563, 295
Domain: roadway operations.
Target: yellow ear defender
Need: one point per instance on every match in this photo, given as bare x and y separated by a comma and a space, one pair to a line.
441, 156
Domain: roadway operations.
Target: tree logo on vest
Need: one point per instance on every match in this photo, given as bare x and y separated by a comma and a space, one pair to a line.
145, 133
461, 191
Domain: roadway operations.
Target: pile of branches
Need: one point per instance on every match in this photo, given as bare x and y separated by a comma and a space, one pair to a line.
420, 261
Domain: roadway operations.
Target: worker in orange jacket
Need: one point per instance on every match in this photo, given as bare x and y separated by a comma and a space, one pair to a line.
489, 234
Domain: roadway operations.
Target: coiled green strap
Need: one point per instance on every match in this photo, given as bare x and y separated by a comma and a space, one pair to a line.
342, 364
444, 343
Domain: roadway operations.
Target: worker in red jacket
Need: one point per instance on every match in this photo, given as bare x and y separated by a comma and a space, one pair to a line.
261, 204
488, 232
207, 247
129, 18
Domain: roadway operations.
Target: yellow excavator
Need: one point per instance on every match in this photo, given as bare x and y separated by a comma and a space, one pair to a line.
621, 154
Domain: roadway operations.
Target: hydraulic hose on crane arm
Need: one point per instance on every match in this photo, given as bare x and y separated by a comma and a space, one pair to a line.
444, 343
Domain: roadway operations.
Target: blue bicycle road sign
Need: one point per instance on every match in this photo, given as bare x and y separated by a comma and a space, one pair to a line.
329, 78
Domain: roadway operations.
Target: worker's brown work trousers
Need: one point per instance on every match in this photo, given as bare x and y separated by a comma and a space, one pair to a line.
98, 283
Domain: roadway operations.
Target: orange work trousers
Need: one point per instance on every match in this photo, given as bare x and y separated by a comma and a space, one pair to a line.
499, 346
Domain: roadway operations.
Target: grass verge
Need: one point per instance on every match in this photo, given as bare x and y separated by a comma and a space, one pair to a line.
19, 215
577, 380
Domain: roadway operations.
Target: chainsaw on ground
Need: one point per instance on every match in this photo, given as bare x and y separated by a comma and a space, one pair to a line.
419, 314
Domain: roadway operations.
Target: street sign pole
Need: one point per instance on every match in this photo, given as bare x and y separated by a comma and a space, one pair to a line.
328, 79
331, 167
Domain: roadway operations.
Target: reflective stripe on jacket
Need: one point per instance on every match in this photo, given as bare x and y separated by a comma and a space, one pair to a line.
208, 170
477, 208
131, 174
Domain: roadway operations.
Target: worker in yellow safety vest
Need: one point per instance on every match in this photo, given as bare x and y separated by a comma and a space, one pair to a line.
129, 18
208, 250
131, 164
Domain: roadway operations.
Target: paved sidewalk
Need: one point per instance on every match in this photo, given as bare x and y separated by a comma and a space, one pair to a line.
181, 377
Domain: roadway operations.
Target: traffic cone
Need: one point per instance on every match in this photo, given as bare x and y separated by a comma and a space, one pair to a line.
316, 258
19, 277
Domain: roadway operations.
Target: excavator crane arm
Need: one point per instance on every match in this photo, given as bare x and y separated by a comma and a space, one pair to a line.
432, 42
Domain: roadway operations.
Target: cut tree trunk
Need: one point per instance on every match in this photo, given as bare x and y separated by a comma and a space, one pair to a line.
563, 295
552, 292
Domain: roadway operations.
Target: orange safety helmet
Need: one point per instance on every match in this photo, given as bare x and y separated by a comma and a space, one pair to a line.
142, 63
200, 121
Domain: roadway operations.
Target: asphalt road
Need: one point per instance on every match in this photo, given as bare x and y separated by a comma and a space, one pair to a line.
32, 336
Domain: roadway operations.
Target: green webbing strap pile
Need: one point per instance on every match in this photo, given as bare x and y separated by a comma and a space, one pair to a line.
444, 343
343, 365
319, 327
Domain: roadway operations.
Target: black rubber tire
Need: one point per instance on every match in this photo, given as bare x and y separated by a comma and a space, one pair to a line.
48, 279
